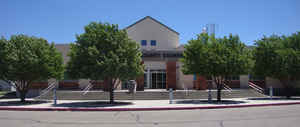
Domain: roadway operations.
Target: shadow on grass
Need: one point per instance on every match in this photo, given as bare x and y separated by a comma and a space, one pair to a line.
206, 102
9, 95
92, 104
274, 98
18, 103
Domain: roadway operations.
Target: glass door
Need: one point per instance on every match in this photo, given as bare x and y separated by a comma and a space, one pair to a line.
158, 79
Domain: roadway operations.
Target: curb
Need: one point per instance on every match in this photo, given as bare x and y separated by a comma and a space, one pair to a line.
141, 109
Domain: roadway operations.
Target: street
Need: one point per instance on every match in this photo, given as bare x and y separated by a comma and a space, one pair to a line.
270, 116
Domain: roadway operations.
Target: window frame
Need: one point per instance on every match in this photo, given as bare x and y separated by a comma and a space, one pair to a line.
153, 43
143, 42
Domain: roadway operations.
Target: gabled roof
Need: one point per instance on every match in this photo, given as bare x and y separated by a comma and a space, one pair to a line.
154, 21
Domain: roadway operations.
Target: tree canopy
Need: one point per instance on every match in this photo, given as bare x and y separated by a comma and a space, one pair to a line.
216, 57
279, 57
29, 59
210, 56
3, 57
104, 52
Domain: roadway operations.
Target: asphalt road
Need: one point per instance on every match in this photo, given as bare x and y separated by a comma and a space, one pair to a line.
271, 116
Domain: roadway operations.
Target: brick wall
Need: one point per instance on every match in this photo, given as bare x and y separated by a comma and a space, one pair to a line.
171, 75
97, 85
233, 83
260, 83
68, 85
200, 83
140, 83
39, 85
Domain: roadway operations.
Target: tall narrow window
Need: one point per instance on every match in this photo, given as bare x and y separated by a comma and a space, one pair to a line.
143, 42
153, 42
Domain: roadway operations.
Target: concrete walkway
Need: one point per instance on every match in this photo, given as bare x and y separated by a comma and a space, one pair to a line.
125, 105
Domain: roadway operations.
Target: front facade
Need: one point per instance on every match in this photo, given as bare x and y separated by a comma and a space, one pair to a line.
161, 52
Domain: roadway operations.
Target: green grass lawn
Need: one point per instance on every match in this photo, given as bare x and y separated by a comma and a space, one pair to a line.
3, 93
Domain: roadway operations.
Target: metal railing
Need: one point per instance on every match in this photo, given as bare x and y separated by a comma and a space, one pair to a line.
227, 88
87, 89
47, 90
256, 87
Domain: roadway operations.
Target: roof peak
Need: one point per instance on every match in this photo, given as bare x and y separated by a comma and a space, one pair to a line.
154, 21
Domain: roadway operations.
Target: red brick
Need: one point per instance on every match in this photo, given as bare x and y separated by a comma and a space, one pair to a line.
68, 85
39, 85
140, 83
171, 75
200, 83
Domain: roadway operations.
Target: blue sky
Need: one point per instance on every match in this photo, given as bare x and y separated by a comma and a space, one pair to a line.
60, 20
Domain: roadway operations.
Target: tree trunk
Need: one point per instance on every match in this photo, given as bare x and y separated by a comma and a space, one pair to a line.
22, 87
23, 96
111, 91
288, 92
219, 89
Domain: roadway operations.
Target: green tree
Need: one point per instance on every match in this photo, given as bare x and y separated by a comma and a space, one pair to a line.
279, 57
3, 57
103, 52
216, 58
29, 59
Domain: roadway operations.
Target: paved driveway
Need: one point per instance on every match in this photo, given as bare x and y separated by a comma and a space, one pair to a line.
273, 116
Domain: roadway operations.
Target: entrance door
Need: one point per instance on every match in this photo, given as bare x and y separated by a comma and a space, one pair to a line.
157, 79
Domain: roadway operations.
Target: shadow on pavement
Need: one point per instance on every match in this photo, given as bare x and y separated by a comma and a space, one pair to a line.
18, 103
92, 104
274, 98
206, 102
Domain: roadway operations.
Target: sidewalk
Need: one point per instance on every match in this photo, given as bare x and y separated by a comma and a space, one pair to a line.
136, 105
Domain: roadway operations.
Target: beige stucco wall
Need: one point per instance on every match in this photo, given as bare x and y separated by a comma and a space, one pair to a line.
183, 81
83, 83
244, 79
149, 29
64, 50
155, 65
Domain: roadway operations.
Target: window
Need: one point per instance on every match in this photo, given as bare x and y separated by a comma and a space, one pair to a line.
153, 42
144, 42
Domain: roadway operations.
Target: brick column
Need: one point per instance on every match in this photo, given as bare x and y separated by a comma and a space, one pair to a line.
105, 84
140, 83
200, 83
171, 75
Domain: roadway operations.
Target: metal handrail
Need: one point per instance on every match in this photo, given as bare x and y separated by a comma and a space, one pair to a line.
47, 90
255, 87
260, 91
226, 87
87, 89
51, 86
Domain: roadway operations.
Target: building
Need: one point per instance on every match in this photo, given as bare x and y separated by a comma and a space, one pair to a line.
161, 53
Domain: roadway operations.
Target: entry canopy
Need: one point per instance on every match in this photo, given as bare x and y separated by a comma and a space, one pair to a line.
162, 53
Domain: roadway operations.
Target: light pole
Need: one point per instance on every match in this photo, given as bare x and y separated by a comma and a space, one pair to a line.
209, 92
